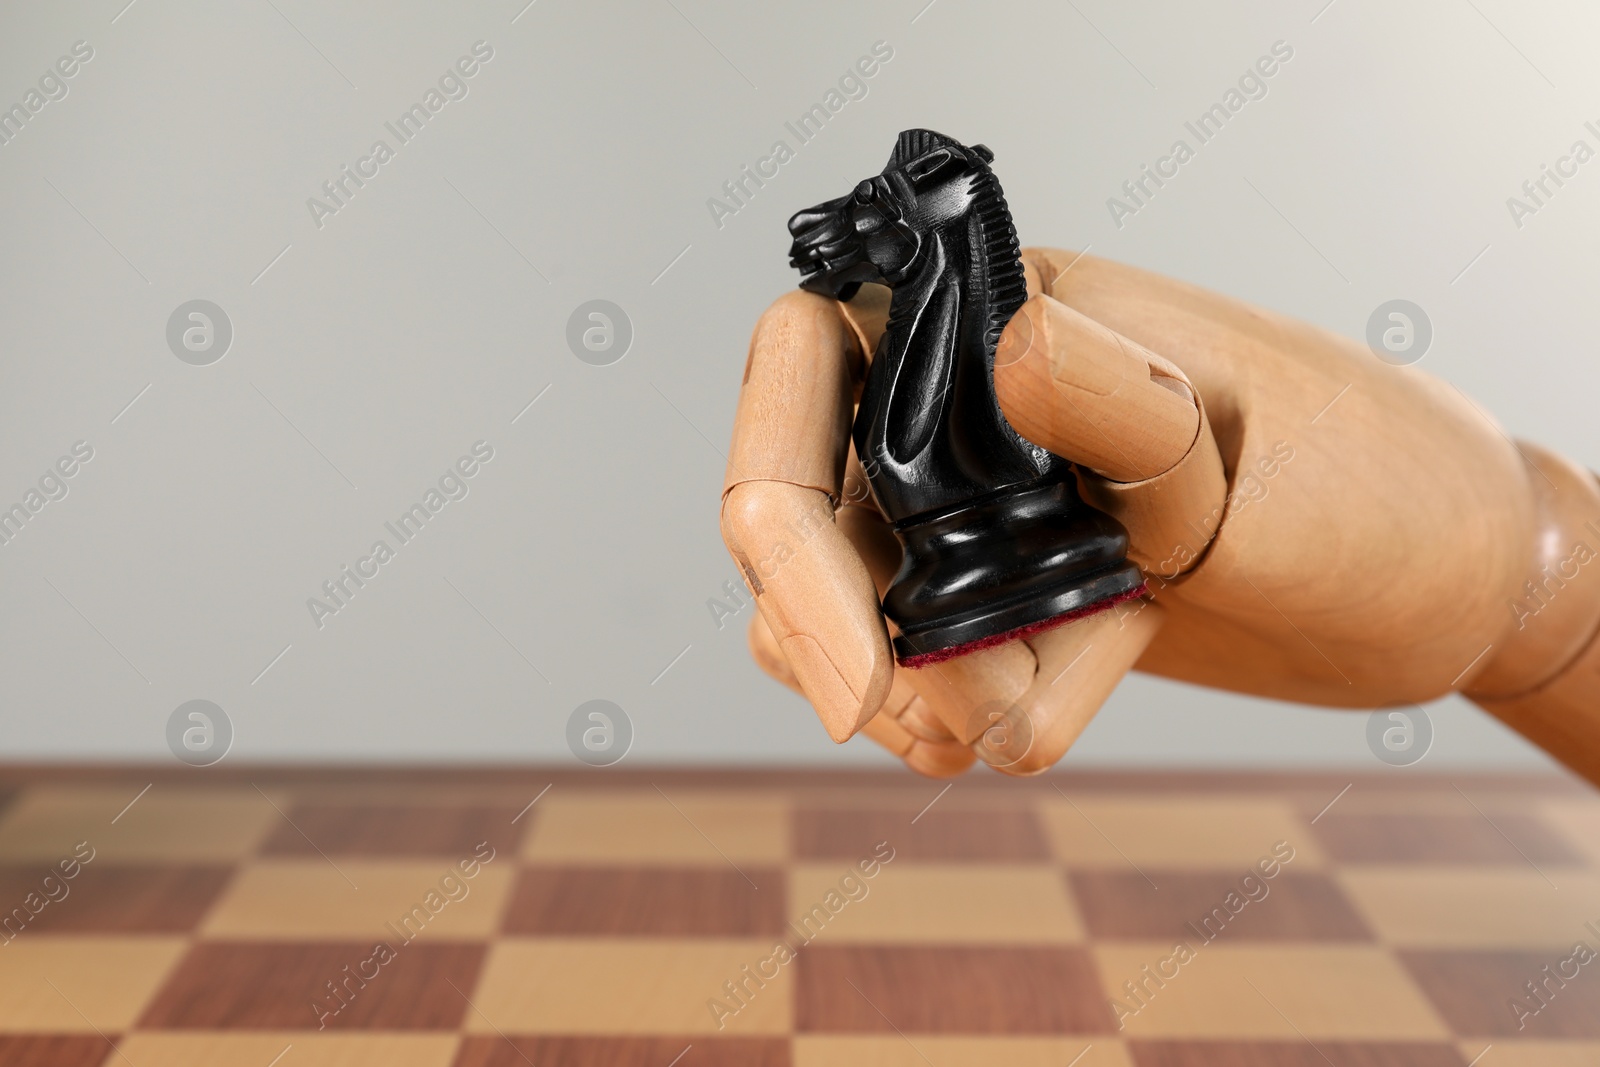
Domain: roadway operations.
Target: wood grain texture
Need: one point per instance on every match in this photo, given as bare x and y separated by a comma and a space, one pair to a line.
623, 1052
646, 901
1192, 906
56, 1050
394, 830
250, 985
1008, 921
1406, 837
1474, 990
850, 834
141, 898
1294, 1054
872, 989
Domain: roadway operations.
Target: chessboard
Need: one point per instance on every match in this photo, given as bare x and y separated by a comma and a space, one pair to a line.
633, 918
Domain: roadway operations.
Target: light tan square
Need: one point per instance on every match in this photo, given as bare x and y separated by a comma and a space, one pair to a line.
989, 904
1532, 1053
166, 823
1483, 907
919, 1050
1230, 833
296, 1049
308, 899
646, 827
80, 984
1579, 822
604, 986
162, 824
1335, 992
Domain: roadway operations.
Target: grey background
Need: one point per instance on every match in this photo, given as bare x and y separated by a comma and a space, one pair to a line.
369, 354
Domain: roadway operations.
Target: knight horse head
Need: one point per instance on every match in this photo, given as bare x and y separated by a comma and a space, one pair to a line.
934, 228
880, 231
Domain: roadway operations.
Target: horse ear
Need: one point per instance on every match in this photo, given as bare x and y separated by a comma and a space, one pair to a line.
929, 164
913, 143
982, 152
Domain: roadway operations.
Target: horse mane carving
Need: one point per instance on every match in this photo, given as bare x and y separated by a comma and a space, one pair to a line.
1002, 252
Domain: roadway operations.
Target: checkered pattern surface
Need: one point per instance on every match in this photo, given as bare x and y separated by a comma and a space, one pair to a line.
214, 921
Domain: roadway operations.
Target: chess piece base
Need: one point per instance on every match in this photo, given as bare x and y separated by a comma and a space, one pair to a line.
1019, 560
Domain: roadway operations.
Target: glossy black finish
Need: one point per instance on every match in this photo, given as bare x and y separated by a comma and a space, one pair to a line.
995, 535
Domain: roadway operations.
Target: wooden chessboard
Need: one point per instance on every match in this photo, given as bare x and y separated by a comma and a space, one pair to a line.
313, 919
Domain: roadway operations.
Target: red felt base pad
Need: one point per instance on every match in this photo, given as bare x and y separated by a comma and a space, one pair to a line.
928, 659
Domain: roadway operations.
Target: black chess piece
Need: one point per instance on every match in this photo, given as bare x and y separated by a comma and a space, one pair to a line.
997, 541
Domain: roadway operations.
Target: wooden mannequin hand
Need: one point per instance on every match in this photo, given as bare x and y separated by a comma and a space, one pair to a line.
1315, 524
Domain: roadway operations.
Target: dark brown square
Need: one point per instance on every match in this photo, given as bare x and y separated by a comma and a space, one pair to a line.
1474, 991
224, 985
665, 901
452, 830
1373, 837
56, 1050
623, 1052
1193, 906
937, 835
916, 989
1292, 1054
110, 899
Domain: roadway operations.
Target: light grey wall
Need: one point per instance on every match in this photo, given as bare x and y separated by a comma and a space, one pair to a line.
371, 351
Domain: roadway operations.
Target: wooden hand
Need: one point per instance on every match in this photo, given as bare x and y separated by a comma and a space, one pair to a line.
1315, 525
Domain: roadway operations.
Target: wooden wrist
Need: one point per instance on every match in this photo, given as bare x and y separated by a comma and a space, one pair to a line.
1562, 716
1553, 616
1542, 678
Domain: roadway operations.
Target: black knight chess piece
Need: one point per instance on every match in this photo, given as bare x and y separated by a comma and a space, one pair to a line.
997, 542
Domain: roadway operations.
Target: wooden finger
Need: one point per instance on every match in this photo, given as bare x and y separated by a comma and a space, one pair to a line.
785, 467
866, 529
768, 656
920, 720
856, 492
901, 725
952, 695
866, 314
963, 692
913, 714
1172, 518
1079, 665
883, 729
1070, 384
816, 595
879, 549
942, 759
793, 420
1128, 417
933, 751
930, 748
